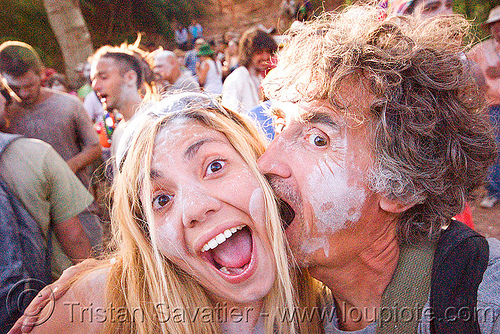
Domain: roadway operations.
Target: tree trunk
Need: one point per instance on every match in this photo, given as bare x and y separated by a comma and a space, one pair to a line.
71, 32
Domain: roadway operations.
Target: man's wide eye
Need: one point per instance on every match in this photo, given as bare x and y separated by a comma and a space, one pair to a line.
318, 140
160, 201
215, 166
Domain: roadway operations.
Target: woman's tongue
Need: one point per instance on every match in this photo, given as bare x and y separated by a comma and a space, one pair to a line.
236, 251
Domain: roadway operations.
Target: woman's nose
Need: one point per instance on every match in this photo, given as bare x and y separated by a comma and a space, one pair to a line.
197, 205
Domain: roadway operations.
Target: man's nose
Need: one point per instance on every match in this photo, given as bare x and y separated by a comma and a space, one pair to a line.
197, 205
273, 160
23, 93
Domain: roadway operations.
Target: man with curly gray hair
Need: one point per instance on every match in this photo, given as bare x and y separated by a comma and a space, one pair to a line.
381, 137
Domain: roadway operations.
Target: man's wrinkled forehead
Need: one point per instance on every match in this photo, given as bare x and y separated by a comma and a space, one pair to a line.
352, 101
104, 65
304, 111
321, 111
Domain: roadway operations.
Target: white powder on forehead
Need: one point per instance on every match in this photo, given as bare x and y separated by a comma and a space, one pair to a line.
256, 205
170, 134
334, 201
172, 131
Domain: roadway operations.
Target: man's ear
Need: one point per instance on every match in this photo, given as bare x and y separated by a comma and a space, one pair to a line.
131, 78
394, 205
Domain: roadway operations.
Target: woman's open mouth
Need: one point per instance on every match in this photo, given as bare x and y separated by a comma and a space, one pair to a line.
231, 253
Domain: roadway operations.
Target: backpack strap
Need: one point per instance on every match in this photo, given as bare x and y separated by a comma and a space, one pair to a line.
459, 264
6, 139
408, 290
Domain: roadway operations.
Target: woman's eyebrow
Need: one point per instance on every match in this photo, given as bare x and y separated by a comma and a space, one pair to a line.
193, 148
154, 174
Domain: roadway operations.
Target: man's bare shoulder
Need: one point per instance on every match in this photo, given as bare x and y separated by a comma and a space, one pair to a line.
91, 287
82, 309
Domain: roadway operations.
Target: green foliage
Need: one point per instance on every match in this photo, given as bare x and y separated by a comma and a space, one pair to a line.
477, 12
109, 22
26, 21
113, 21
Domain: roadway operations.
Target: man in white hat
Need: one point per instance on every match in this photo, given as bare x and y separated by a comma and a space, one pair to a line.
487, 56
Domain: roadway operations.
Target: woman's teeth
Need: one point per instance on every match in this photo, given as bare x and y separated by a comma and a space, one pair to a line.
220, 238
234, 271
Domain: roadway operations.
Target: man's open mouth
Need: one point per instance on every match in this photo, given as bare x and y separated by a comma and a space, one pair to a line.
287, 214
230, 252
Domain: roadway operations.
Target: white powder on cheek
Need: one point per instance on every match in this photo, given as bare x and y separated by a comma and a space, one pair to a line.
167, 239
334, 202
311, 245
256, 206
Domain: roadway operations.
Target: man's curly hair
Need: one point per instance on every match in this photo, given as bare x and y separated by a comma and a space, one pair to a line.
432, 139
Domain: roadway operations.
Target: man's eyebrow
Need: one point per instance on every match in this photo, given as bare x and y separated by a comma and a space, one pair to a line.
193, 148
319, 117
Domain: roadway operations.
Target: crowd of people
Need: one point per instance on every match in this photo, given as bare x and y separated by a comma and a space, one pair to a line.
313, 183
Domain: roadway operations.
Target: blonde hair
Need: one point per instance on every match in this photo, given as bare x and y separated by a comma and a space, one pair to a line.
142, 278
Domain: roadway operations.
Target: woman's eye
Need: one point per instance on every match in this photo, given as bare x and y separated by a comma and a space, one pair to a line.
215, 166
318, 140
160, 201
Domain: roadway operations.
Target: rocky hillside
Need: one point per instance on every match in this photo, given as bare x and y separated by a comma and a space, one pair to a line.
238, 15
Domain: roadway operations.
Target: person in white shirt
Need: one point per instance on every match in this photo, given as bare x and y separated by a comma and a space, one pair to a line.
209, 70
240, 91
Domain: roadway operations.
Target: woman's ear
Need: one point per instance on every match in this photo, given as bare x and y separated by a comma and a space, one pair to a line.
394, 205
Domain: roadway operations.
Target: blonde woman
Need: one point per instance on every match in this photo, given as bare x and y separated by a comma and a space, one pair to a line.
200, 247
